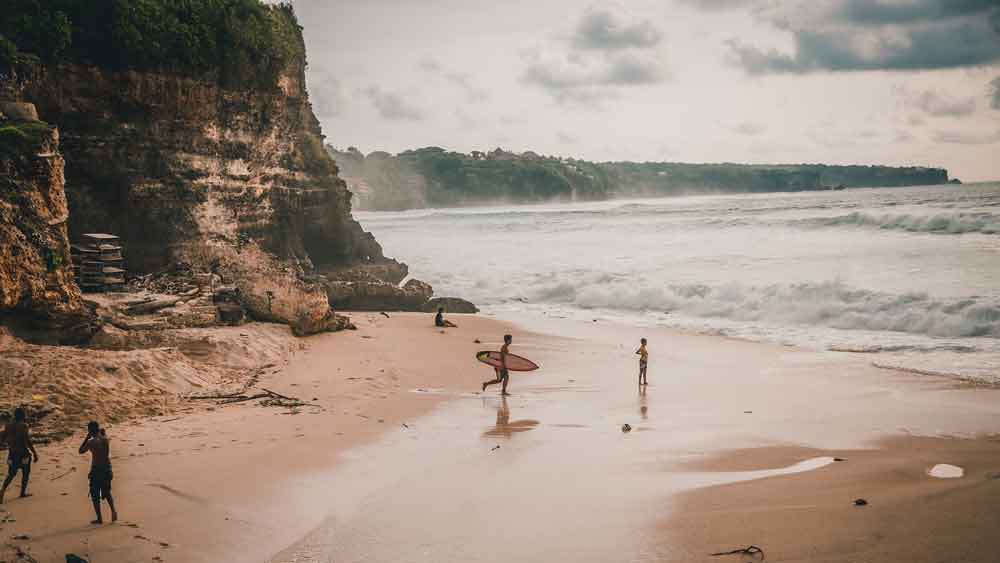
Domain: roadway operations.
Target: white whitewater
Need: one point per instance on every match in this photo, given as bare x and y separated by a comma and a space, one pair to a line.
946, 471
908, 275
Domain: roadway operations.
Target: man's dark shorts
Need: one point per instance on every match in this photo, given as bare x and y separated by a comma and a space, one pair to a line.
17, 463
504, 374
100, 482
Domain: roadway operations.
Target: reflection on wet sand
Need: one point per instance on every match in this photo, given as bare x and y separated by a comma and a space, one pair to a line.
643, 407
504, 426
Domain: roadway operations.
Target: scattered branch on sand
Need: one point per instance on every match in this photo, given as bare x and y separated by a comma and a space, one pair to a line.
386, 315
211, 397
243, 399
267, 398
751, 550
278, 395
61, 475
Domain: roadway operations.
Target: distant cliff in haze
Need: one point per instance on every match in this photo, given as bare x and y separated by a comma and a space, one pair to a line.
435, 177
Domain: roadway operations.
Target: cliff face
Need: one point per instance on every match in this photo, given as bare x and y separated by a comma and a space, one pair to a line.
186, 171
36, 278
178, 166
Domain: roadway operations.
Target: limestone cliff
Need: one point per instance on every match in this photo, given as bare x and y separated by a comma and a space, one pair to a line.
36, 279
177, 165
187, 169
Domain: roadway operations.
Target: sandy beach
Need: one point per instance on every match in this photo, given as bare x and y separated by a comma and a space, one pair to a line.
404, 458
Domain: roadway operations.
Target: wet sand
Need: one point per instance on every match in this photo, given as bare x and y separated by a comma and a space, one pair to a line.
548, 474
450, 474
909, 516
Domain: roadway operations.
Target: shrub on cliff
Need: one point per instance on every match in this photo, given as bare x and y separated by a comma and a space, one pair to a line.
238, 42
17, 139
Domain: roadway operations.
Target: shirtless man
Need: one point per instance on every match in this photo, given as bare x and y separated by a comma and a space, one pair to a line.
98, 445
19, 456
502, 374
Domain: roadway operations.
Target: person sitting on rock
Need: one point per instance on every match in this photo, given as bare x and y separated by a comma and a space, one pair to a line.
440, 322
19, 456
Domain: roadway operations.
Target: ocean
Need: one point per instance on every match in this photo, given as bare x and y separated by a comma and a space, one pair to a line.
908, 276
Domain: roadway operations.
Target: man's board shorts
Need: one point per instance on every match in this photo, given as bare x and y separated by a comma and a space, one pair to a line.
100, 481
643, 363
17, 463
504, 374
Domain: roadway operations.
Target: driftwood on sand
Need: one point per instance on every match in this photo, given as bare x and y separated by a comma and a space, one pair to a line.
266, 397
751, 550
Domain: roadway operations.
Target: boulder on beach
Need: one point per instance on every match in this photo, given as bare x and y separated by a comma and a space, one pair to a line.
450, 305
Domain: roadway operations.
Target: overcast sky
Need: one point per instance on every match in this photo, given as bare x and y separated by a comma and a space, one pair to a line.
897, 82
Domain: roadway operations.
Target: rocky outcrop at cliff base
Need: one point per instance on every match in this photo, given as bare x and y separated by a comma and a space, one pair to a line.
37, 290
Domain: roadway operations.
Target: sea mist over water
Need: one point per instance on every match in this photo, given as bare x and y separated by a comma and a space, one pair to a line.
911, 275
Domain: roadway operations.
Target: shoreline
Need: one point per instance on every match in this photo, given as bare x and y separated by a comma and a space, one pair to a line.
223, 482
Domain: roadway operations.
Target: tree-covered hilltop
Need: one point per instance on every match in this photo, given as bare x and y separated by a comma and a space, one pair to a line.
237, 42
435, 177
673, 178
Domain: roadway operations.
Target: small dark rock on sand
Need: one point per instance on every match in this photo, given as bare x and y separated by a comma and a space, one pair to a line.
626, 428
860, 502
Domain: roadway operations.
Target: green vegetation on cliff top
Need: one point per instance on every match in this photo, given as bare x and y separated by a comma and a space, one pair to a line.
436, 177
237, 42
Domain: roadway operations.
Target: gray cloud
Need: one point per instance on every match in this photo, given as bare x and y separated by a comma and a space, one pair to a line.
751, 129
626, 69
966, 137
902, 137
464, 81
393, 105
934, 104
565, 138
714, 5
995, 95
880, 12
326, 94
605, 29
856, 36
607, 51
429, 64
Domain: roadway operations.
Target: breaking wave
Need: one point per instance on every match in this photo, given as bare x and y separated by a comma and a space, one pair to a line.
943, 223
829, 304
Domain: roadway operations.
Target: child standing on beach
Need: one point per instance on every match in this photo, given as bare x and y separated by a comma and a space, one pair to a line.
643, 361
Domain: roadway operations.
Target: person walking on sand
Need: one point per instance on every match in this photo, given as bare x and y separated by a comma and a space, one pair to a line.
99, 446
503, 375
19, 457
643, 361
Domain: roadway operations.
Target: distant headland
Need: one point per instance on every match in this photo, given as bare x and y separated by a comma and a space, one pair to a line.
436, 177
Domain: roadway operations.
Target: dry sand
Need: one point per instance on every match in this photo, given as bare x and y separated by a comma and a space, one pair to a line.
239, 482
406, 460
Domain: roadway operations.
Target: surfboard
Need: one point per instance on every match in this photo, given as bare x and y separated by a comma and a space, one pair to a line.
514, 362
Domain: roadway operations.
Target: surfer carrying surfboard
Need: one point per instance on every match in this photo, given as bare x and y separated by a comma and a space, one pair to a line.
503, 374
